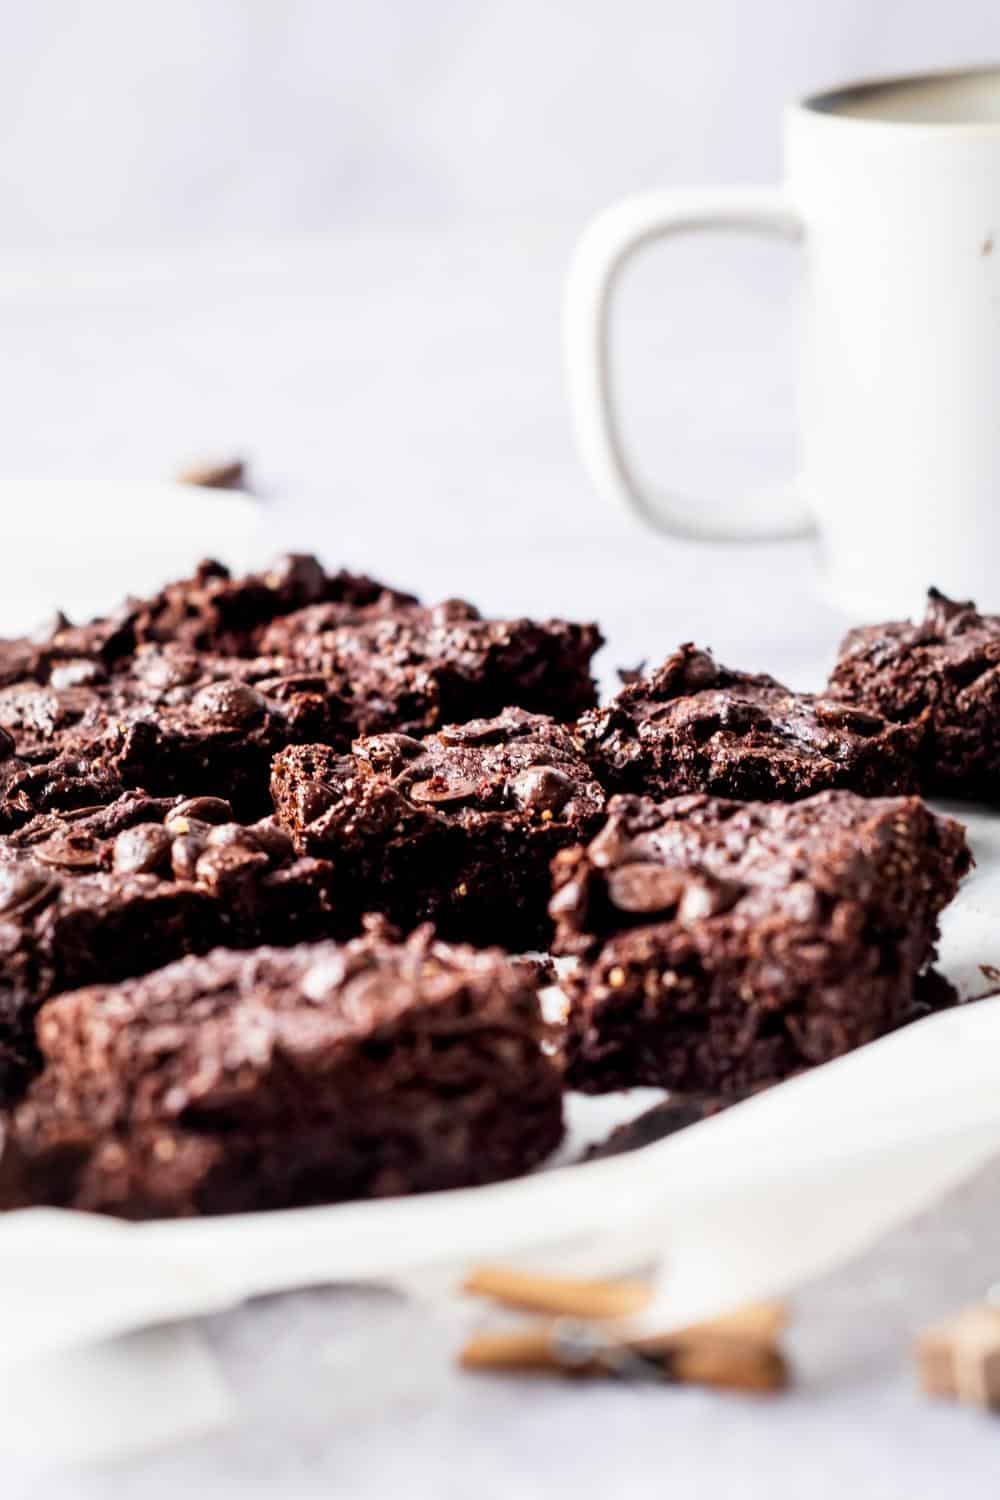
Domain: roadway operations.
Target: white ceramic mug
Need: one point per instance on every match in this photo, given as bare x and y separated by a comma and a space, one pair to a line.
894, 189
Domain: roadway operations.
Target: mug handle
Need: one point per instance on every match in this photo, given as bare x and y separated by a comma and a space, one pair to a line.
601, 254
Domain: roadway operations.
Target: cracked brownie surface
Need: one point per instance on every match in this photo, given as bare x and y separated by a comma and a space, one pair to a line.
458, 828
284, 1077
726, 944
942, 674
107, 893
695, 726
194, 691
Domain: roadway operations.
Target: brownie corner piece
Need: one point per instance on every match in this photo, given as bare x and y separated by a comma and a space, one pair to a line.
285, 1077
693, 725
722, 945
106, 893
458, 828
941, 673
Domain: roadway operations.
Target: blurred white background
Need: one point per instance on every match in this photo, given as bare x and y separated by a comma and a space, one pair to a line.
144, 124
331, 237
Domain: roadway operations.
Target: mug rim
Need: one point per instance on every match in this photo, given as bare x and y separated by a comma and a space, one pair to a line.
824, 104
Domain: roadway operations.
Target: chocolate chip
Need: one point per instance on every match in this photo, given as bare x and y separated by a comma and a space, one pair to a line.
185, 851
438, 789
71, 852
232, 703
263, 838
274, 841
475, 732
387, 751
301, 574
645, 888
944, 613
23, 888
707, 898
219, 866
541, 789
203, 809
7, 746
142, 849
847, 716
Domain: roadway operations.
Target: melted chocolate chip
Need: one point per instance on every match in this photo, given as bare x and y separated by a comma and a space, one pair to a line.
444, 790
142, 849
233, 704
541, 789
645, 887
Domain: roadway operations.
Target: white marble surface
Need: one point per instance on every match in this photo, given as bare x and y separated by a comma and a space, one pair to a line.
402, 395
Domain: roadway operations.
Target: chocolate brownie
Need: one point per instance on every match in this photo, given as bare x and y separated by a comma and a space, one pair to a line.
942, 674
277, 1078
418, 669
211, 611
695, 726
458, 828
725, 944
103, 894
194, 692
202, 729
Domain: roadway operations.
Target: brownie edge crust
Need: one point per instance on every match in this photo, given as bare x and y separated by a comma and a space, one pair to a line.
724, 945
943, 672
696, 726
284, 1077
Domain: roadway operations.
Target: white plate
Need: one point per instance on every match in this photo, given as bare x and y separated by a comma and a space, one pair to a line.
134, 537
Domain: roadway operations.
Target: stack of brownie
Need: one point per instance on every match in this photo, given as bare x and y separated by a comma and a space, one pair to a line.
270, 849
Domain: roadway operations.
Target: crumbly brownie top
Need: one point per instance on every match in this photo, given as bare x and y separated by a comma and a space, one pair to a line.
517, 765
439, 664
943, 672
696, 726
310, 1074
694, 858
227, 1034
112, 891
194, 690
211, 611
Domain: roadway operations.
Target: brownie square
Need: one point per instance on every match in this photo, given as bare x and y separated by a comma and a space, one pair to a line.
107, 893
419, 669
194, 691
695, 726
941, 674
458, 828
726, 944
278, 1078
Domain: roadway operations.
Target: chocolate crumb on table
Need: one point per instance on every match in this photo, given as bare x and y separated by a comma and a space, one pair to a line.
724, 945
284, 1077
107, 893
942, 673
458, 828
695, 726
